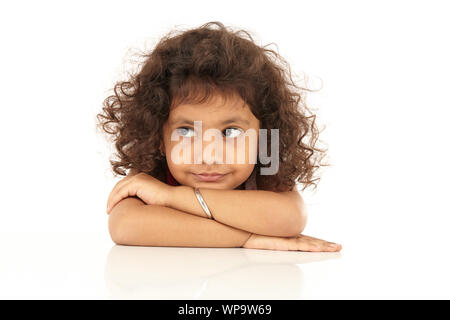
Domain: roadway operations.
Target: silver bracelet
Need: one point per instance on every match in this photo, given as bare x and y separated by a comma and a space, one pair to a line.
203, 203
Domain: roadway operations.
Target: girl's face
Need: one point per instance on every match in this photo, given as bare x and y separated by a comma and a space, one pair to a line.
194, 150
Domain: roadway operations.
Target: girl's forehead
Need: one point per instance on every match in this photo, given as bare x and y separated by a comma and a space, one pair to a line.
214, 101
209, 109
212, 108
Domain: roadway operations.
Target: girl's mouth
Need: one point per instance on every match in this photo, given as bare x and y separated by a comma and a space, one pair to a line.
209, 177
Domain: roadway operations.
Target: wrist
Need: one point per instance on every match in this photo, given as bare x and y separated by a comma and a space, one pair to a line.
174, 193
245, 242
168, 196
183, 198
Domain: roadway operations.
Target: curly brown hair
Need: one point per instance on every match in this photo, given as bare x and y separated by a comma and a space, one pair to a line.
192, 65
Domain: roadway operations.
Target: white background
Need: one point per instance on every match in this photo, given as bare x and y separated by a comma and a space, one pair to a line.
383, 73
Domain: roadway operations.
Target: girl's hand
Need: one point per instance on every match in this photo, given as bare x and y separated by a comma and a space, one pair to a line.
147, 188
297, 243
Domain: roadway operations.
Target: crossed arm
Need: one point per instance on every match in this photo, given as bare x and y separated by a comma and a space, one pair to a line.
237, 214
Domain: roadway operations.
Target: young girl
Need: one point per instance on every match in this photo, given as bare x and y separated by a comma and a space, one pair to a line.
211, 79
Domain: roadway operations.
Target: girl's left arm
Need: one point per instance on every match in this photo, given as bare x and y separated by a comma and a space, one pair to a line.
281, 214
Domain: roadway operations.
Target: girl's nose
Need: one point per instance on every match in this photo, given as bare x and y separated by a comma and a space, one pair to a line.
208, 152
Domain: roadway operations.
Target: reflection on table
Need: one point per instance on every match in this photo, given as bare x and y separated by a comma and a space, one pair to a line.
135, 272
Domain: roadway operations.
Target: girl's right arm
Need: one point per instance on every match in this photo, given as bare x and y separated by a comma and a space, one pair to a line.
132, 222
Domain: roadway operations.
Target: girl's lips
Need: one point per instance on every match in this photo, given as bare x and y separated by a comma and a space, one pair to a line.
208, 178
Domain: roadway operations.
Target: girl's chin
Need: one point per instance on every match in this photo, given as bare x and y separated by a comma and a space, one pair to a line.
222, 185
211, 185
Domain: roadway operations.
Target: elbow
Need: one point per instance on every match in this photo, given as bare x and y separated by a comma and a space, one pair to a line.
116, 238
113, 229
116, 227
295, 214
122, 221
290, 224
298, 224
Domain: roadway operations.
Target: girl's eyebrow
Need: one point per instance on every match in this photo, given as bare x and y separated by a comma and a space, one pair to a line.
181, 120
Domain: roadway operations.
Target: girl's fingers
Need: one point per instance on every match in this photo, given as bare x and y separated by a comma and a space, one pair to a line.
118, 195
321, 244
117, 186
329, 246
113, 192
332, 246
121, 192
306, 243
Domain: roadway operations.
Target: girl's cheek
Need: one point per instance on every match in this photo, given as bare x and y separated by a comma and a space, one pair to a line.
179, 152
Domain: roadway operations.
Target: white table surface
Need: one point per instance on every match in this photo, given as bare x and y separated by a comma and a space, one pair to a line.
90, 266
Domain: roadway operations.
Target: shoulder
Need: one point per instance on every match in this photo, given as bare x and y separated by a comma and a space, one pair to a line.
132, 172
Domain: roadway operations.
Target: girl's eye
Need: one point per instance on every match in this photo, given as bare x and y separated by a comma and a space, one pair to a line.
229, 132
183, 131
